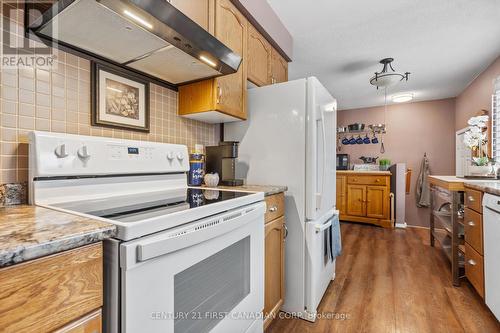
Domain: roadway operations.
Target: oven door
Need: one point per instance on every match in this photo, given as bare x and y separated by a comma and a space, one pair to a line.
207, 276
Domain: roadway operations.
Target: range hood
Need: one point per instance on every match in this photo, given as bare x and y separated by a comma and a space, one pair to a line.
150, 36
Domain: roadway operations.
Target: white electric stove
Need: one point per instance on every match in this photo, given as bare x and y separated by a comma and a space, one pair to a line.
183, 259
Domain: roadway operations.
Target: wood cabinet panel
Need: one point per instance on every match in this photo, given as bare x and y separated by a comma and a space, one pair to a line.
473, 200
231, 29
376, 202
259, 57
369, 180
274, 271
91, 323
197, 10
44, 294
279, 68
275, 206
341, 194
474, 229
474, 269
356, 197
225, 94
196, 97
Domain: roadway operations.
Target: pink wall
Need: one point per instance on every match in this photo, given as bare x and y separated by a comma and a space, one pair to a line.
412, 130
476, 96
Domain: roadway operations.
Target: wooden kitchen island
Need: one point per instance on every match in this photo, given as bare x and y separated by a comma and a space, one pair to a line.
364, 196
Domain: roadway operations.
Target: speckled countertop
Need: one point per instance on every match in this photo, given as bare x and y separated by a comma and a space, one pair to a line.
28, 232
491, 186
267, 189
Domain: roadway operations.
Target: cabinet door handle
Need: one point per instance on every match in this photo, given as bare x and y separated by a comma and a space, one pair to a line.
471, 223
273, 209
471, 198
286, 232
219, 93
472, 262
377, 180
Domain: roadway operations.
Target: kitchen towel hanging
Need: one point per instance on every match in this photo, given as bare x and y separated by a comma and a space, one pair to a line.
423, 194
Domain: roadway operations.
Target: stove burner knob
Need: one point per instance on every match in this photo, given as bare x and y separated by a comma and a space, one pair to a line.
83, 153
60, 151
180, 156
170, 156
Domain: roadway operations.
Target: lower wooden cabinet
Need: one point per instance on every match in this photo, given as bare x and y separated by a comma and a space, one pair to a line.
45, 294
474, 269
356, 198
274, 269
474, 240
341, 194
364, 197
91, 323
377, 205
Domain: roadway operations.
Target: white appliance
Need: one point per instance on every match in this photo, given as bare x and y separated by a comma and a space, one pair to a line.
289, 139
491, 234
183, 259
398, 189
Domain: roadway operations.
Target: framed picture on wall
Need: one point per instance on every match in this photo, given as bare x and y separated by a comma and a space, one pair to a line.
120, 98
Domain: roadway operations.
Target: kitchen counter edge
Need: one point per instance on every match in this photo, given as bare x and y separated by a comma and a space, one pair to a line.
30, 232
266, 189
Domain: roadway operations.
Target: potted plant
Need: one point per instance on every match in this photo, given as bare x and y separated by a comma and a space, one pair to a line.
384, 164
475, 138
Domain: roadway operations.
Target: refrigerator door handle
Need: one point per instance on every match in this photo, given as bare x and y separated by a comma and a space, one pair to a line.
319, 195
322, 227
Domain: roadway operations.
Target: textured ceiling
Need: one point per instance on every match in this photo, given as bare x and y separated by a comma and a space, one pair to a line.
445, 44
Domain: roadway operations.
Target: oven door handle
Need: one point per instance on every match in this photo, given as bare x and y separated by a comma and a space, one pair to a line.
164, 243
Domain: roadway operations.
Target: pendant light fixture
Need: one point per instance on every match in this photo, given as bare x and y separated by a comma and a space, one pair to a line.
388, 76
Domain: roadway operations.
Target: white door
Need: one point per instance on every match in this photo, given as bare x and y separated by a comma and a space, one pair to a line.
320, 150
206, 276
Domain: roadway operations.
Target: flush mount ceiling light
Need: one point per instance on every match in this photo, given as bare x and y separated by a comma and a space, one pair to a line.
388, 76
401, 98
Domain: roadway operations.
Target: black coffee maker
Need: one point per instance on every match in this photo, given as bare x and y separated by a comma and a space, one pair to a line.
222, 159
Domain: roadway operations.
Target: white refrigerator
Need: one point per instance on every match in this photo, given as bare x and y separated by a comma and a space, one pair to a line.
290, 139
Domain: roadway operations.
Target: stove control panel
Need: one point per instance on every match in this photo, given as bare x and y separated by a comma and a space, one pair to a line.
57, 154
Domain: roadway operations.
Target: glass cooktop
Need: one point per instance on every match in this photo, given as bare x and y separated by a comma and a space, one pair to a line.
136, 207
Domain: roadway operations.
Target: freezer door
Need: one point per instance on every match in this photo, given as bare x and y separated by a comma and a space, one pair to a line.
320, 261
320, 150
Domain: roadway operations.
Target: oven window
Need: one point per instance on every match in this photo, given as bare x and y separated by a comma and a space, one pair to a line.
211, 288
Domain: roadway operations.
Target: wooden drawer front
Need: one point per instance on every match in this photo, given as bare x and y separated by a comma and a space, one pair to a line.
275, 206
473, 200
474, 229
474, 269
47, 293
91, 323
368, 180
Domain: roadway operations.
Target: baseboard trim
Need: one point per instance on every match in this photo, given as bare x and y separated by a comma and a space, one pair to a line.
416, 226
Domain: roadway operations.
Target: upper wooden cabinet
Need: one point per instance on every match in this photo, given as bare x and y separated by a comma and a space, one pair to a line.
259, 56
279, 68
224, 98
200, 11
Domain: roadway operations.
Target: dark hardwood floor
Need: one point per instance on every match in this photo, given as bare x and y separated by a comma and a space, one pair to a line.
393, 281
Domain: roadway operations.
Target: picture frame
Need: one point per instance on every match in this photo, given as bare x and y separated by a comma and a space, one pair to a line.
120, 98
